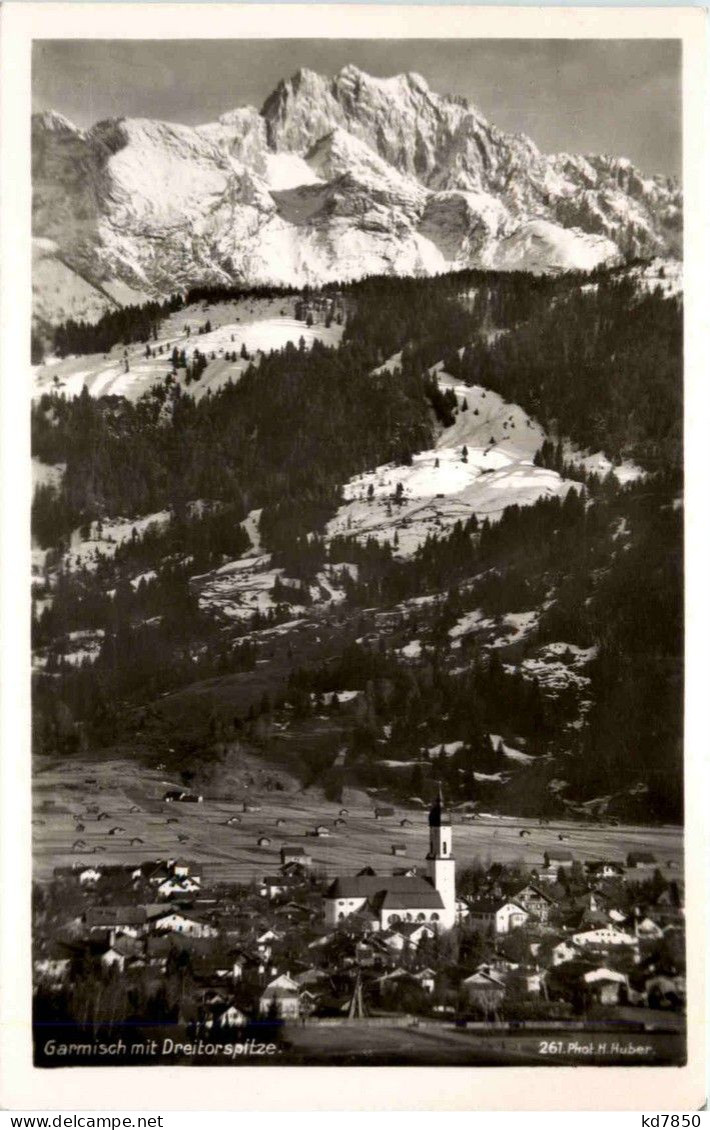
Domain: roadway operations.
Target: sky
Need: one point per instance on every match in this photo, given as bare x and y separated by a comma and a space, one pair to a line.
581, 96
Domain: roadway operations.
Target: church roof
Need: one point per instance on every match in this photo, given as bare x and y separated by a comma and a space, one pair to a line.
408, 900
368, 886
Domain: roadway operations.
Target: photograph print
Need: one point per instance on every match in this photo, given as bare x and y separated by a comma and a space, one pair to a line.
357, 553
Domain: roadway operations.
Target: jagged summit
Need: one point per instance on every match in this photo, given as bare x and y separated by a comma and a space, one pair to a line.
336, 176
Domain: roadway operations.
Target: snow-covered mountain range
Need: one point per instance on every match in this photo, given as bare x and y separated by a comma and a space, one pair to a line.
333, 178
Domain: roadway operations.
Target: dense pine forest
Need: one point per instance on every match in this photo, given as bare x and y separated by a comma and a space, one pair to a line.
591, 357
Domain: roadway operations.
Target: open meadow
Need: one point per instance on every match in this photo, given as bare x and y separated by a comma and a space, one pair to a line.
112, 812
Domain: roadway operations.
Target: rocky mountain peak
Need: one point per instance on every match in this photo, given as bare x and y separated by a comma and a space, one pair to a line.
336, 176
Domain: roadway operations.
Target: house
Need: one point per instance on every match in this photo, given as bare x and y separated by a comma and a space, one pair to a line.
604, 938
388, 901
312, 979
119, 952
280, 997
174, 887
231, 1017
606, 985
130, 920
271, 886
604, 869
647, 929
382, 813
295, 855
426, 978
665, 992
405, 823
293, 908
394, 941
89, 876
51, 970
179, 922
534, 901
264, 841
416, 934
399, 849
557, 857
497, 916
173, 795
484, 989
641, 859
321, 830
54, 964
563, 952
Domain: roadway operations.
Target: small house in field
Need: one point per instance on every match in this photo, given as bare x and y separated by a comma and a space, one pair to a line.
558, 857
399, 849
295, 855
174, 795
405, 823
383, 812
264, 841
321, 830
641, 859
343, 812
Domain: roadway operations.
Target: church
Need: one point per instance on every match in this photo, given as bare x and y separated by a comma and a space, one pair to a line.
388, 900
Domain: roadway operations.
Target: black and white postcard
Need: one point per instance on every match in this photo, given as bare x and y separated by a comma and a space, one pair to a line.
349, 357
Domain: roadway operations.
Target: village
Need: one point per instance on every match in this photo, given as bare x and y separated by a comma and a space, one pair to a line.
461, 955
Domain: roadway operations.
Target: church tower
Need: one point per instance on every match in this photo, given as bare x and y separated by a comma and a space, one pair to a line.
442, 865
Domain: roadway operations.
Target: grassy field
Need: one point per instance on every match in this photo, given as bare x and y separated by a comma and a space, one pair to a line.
443, 1046
139, 825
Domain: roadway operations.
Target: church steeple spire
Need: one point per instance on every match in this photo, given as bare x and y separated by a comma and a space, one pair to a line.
437, 814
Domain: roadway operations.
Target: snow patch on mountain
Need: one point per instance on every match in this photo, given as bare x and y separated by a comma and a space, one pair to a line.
480, 465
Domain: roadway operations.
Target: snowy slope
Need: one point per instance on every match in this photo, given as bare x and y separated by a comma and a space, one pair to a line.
334, 177
442, 487
258, 324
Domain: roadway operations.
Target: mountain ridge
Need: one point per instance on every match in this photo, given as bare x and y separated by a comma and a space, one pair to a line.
335, 177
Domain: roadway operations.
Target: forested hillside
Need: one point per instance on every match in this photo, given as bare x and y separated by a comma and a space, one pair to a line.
594, 358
